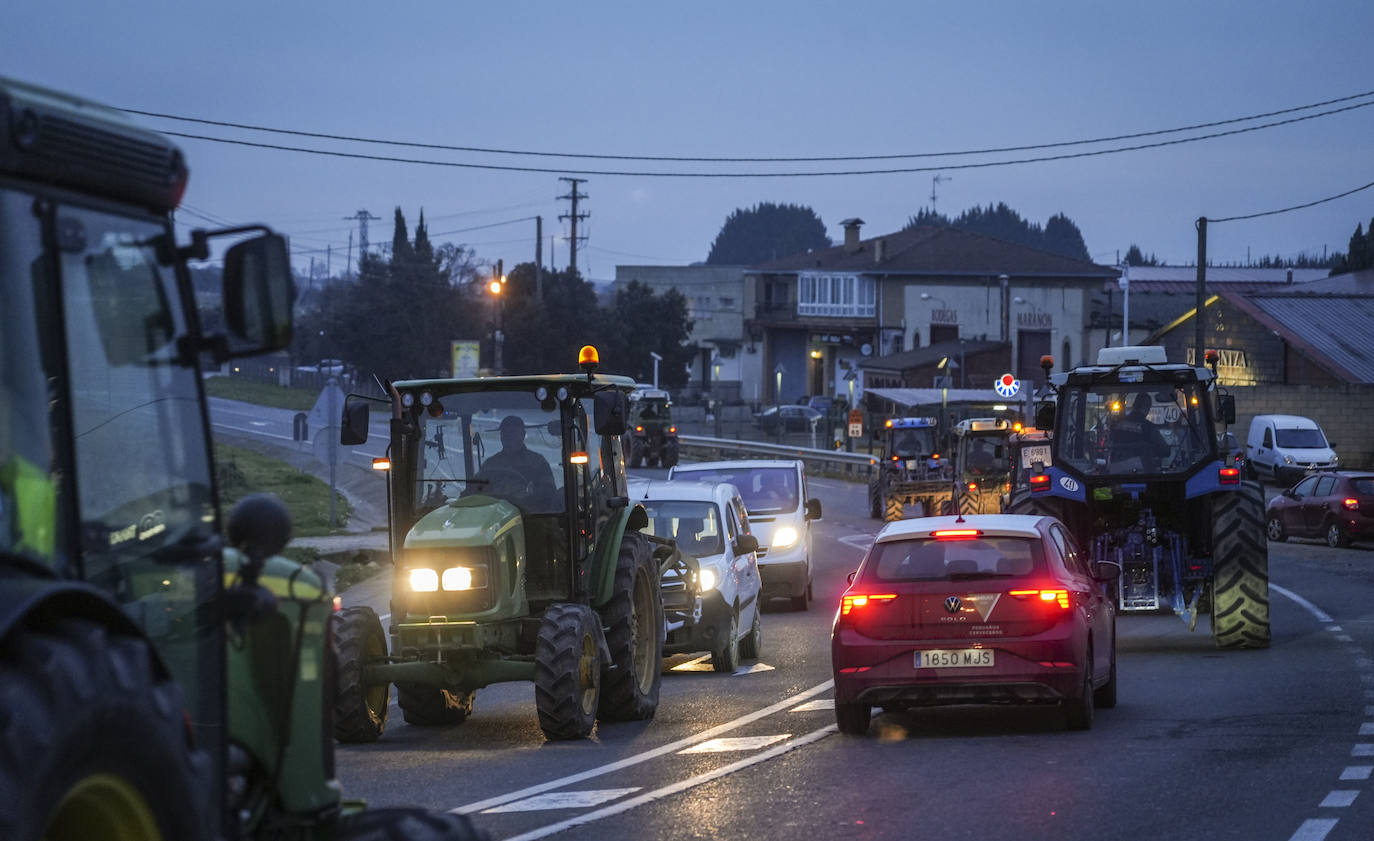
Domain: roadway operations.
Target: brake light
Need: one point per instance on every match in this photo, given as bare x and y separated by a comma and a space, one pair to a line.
935, 456
1040, 482
639, 429
1228, 476
854, 601
1050, 596
955, 534
894, 458
1351, 504
973, 486
672, 430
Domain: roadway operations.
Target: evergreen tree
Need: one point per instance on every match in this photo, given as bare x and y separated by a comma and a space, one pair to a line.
767, 232
1134, 257
1059, 236
643, 321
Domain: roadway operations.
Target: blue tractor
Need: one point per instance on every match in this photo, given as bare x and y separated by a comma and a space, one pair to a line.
909, 470
1134, 470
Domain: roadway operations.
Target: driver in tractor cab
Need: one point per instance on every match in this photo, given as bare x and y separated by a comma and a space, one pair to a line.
908, 444
982, 457
514, 457
1135, 440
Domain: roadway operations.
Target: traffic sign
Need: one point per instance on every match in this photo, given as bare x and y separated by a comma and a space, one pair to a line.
1007, 385
856, 423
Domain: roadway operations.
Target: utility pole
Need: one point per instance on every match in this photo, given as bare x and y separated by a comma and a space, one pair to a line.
539, 258
573, 216
348, 264
1199, 318
328, 263
363, 217
934, 181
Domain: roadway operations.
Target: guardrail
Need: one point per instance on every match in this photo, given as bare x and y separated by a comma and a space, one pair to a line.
851, 466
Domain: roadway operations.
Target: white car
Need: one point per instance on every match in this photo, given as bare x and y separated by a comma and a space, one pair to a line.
709, 522
780, 515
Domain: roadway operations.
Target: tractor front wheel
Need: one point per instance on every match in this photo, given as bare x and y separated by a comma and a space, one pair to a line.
567, 671
429, 706
892, 509
96, 745
1240, 569
633, 619
875, 502
360, 710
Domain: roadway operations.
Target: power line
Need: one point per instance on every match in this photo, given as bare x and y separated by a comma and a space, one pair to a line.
483, 227
1294, 207
640, 256
705, 159
814, 174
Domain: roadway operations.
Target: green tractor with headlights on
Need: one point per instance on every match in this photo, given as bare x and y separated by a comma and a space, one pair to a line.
517, 556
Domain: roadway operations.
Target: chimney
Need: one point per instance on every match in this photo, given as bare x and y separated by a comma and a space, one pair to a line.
1290, 276
879, 250
851, 233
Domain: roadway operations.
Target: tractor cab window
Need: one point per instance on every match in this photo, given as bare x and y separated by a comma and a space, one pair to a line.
501, 444
911, 443
1135, 429
984, 454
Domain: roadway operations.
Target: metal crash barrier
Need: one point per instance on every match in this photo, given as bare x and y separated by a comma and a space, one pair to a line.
851, 466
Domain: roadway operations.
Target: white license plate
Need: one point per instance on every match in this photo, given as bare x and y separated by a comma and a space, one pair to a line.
954, 658
911, 464
1030, 455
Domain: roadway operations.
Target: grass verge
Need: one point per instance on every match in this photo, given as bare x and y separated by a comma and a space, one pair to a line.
242, 472
263, 394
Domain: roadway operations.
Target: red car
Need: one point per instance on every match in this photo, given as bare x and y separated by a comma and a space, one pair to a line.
984, 609
1337, 506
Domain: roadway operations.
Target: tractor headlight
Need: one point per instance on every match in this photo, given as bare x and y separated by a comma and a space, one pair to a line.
457, 578
424, 580
784, 537
707, 577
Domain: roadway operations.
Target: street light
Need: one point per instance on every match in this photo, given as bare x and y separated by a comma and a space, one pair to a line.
496, 288
778, 371
657, 359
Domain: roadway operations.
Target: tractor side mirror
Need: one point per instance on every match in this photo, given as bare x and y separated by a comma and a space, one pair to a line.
258, 295
1044, 416
1226, 408
354, 428
1106, 571
639, 518
813, 509
611, 412
746, 543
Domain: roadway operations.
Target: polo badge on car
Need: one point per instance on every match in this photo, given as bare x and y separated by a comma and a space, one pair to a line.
952, 604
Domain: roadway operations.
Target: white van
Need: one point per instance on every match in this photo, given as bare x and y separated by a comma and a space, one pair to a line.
1285, 447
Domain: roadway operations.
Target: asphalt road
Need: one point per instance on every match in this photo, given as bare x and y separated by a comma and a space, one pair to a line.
1273, 744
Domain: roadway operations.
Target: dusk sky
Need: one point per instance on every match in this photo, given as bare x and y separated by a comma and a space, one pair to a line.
741, 79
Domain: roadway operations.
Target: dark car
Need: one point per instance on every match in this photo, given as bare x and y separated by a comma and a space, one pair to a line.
1337, 506
984, 609
794, 418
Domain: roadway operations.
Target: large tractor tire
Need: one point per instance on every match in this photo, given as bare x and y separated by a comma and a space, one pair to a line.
567, 671
96, 746
670, 454
1240, 569
892, 509
1023, 503
430, 706
360, 710
875, 501
406, 825
633, 619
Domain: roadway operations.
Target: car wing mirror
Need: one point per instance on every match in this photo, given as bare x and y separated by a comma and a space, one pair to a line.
850, 578
1044, 417
1106, 570
813, 509
746, 543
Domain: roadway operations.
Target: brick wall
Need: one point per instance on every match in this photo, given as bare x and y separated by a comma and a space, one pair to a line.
1343, 411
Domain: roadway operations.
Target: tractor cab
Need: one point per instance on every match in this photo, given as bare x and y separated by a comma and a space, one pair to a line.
910, 444
653, 435
982, 463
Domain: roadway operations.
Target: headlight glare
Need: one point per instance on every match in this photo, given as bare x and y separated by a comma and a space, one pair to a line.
457, 578
424, 580
707, 577
784, 537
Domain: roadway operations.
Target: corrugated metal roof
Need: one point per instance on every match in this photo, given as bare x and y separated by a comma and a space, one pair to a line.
1340, 327
1188, 274
911, 397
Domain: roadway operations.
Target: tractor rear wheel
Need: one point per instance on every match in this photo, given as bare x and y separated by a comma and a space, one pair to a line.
567, 671
1023, 503
875, 502
429, 706
96, 745
892, 509
406, 825
633, 619
360, 710
1240, 569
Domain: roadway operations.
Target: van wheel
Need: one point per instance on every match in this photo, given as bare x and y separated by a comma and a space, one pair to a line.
1336, 536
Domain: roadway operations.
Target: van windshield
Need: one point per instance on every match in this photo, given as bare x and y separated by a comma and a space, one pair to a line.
1300, 439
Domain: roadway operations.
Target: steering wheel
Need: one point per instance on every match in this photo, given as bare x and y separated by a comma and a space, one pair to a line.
505, 482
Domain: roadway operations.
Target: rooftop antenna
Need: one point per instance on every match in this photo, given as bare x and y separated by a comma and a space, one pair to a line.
934, 181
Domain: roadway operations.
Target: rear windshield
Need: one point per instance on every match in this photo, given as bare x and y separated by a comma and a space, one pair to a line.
696, 526
950, 560
1300, 439
766, 490
1363, 486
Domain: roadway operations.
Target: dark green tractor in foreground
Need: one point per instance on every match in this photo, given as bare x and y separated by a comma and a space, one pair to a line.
517, 557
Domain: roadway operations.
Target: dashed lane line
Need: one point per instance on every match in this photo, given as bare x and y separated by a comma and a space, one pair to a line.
1338, 799
1357, 772
1308, 606
737, 743
1314, 829
564, 800
678, 787
671, 747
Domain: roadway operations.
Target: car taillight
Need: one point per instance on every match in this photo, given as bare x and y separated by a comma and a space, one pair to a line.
955, 534
639, 429
1049, 596
855, 601
1040, 482
1351, 504
973, 486
672, 430
1228, 476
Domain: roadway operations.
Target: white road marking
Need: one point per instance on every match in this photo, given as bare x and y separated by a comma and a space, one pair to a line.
1362, 750
258, 423
564, 800
1308, 606
1363, 662
1335, 629
729, 744
858, 541
813, 706
1339, 799
754, 669
683, 785
1314, 829
1343, 638
699, 664
1357, 772
1367, 729
1369, 711
671, 747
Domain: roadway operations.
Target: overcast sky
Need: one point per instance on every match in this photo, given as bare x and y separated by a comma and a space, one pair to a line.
737, 79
